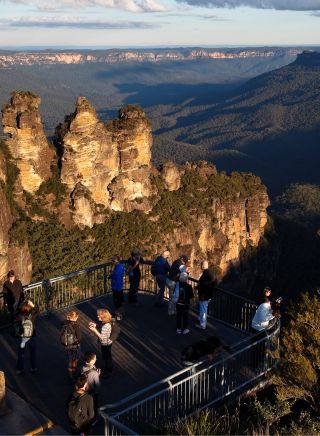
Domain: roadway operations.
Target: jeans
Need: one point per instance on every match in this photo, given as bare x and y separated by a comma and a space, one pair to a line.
31, 344
133, 289
203, 306
161, 282
171, 304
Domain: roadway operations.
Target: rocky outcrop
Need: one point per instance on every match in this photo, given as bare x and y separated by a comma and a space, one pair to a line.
110, 163
171, 176
3, 169
27, 143
5, 225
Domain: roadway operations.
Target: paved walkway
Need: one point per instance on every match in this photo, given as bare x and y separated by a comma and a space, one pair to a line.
148, 350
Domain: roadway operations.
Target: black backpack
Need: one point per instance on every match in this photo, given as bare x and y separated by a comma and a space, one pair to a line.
115, 330
75, 412
68, 335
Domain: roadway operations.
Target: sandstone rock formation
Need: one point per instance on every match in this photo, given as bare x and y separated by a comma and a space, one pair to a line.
3, 169
5, 225
28, 144
105, 166
171, 176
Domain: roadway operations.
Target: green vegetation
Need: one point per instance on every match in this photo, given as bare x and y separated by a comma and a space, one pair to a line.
299, 372
12, 174
301, 204
291, 404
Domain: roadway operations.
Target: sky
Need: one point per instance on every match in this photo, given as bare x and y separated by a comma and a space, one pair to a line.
158, 23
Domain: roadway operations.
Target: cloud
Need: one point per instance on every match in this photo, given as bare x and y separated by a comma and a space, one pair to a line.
126, 5
294, 5
72, 23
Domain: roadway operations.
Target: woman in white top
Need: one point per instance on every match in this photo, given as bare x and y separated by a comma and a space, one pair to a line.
104, 337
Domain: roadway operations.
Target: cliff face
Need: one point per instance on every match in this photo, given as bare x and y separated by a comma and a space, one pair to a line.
27, 143
12, 255
105, 167
5, 225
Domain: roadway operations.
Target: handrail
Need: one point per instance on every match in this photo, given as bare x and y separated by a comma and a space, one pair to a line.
174, 375
160, 403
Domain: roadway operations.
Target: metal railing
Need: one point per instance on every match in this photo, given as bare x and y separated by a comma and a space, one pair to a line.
191, 389
76, 287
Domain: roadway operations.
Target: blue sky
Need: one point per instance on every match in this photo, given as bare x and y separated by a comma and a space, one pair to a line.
132, 23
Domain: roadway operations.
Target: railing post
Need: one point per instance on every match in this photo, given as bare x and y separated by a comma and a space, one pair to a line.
46, 285
105, 279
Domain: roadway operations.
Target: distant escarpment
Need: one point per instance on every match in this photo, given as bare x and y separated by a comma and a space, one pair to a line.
98, 194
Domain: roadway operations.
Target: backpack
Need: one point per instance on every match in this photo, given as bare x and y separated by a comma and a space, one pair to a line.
115, 330
75, 412
68, 335
26, 328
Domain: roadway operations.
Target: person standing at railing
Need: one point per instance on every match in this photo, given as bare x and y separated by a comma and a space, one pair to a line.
172, 279
104, 337
117, 286
205, 287
134, 272
70, 338
262, 324
160, 270
185, 294
12, 293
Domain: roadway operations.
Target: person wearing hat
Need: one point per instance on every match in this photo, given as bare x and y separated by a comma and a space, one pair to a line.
183, 303
178, 266
161, 268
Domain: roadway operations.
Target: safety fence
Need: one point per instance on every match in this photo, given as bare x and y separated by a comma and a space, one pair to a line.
76, 287
191, 389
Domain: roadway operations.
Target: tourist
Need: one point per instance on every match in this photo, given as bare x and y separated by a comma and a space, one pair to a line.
105, 318
261, 324
265, 297
12, 293
80, 423
134, 272
93, 377
26, 316
161, 268
70, 338
117, 286
205, 292
185, 294
173, 277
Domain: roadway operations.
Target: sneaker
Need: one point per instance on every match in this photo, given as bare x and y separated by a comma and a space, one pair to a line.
185, 331
179, 331
199, 326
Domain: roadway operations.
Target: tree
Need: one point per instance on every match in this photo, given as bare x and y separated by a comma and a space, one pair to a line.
299, 371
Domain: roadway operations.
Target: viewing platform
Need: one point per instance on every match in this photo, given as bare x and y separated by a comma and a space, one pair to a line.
148, 384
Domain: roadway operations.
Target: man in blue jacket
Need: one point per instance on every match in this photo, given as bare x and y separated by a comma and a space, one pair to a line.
161, 268
117, 286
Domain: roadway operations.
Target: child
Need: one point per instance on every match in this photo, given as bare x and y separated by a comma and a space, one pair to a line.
93, 378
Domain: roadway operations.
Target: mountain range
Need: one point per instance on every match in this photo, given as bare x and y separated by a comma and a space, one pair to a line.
270, 126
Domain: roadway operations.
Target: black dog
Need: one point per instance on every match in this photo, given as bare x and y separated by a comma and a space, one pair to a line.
204, 348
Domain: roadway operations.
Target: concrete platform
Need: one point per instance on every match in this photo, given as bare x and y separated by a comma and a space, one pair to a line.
148, 350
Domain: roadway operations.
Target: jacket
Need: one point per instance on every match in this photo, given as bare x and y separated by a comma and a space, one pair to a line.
206, 285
